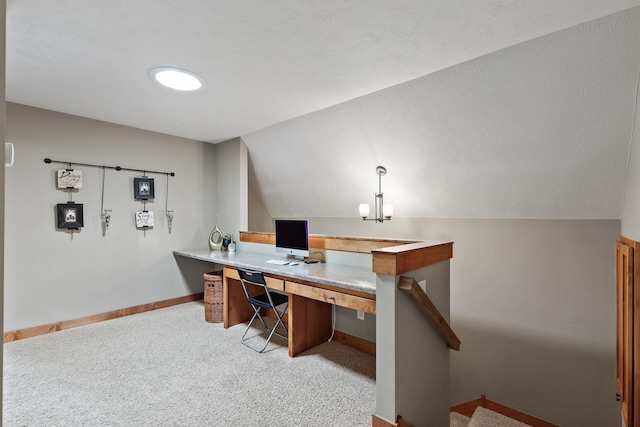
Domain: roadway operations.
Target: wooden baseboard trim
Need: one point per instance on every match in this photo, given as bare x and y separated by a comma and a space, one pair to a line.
377, 421
82, 321
355, 342
403, 423
467, 409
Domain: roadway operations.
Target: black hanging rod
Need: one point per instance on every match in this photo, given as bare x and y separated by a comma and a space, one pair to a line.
118, 168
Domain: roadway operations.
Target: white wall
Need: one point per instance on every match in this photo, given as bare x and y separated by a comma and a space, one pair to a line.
52, 275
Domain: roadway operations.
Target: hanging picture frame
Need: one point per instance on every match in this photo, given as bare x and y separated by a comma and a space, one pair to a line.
143, 188
70, 215
69, 178
144, 219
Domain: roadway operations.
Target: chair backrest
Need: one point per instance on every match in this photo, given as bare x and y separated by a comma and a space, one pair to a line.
251, 276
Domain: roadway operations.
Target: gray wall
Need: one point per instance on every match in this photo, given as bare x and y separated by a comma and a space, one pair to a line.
533, 290
509, 135
3, 7
631, 211
52, 275
230, 189
533, 302
259, 218
518, 133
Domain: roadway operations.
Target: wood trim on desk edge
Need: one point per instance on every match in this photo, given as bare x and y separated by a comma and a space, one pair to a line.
338, 243
337, 289
82, 321
311, 283
342, 299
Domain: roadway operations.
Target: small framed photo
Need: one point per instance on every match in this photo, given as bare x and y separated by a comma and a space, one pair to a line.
70, 215
69, 178
144, 219
143, 188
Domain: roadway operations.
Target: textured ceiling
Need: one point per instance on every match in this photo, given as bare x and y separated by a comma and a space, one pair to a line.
483, 109
264, 62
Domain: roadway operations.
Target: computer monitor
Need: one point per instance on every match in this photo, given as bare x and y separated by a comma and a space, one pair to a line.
292, 237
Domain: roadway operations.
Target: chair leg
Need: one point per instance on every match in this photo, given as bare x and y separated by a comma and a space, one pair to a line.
272, 332
242, 339
261, 319
279, 321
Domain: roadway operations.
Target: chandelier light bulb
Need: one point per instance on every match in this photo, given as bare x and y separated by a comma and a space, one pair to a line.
364, 210
387, 210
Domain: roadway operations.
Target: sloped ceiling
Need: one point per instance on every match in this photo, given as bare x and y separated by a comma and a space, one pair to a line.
478, 109
537, 130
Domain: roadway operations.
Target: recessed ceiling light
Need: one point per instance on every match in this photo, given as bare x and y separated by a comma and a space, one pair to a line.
176, 78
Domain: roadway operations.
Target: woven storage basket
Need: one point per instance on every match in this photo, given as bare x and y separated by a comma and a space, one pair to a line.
213, 301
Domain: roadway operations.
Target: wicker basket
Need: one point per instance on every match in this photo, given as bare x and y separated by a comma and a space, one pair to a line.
213, 300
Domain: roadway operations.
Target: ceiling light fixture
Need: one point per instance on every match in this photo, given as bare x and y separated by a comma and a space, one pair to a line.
382, 212
176, 78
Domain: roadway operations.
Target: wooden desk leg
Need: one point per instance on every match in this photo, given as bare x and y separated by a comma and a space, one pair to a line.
309, 323
225, 301
236, 307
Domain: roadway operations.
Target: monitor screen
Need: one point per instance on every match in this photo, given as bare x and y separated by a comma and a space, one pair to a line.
292, 237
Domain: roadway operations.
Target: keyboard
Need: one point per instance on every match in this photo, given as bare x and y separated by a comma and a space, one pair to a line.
277, 261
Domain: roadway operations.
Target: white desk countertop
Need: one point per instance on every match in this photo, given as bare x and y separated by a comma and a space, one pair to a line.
338, 275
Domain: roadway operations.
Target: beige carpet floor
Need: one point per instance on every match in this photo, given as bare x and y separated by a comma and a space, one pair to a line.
170, 368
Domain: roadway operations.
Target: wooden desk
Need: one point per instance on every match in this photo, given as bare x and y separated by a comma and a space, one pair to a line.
412, 361
312, 289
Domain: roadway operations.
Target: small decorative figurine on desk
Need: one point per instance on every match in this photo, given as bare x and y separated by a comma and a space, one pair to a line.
226, 240
215, 239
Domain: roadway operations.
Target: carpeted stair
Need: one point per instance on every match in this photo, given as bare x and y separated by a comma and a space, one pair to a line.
483, 417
